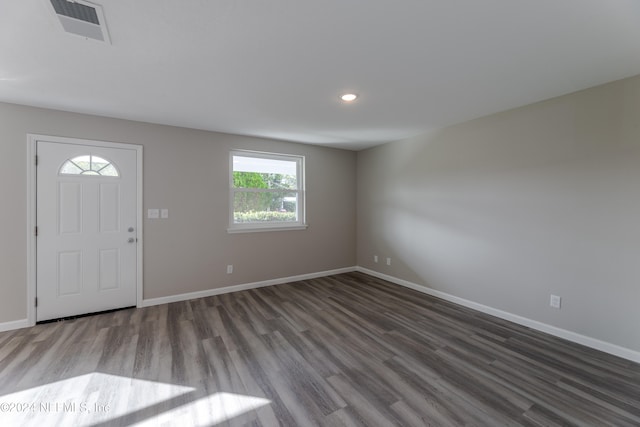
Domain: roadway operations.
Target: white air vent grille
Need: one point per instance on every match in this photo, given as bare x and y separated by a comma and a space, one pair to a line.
81, 18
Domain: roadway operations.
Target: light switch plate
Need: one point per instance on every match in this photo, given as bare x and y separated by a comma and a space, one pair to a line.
164, 213
153, 213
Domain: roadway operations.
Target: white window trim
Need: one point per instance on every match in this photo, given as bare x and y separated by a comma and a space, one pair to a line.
275, 226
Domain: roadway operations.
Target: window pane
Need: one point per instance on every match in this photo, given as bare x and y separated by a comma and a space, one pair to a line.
70, 168
271, 181
88, 165
254, 172
83, 159
266, 189
98, 163
109, 170
262, 165
264, 207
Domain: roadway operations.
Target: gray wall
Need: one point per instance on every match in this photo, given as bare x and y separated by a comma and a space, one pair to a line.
502, 211
507, 209
185, 171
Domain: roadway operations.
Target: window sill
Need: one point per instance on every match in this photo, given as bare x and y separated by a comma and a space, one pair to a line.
259, 229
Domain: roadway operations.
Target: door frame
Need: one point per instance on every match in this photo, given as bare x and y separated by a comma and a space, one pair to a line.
32, 188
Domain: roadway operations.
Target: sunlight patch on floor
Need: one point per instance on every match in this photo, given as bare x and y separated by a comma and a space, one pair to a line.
98, 397
213, 409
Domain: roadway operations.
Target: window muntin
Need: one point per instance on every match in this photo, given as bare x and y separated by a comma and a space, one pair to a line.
267, 191
89, 165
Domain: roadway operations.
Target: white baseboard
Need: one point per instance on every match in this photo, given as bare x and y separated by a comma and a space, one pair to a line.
243, 287
594, 343
16, 324
597, 344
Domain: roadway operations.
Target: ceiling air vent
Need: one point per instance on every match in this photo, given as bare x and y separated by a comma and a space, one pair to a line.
81, 18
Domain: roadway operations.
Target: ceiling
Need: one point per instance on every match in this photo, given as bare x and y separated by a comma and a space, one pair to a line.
276, 68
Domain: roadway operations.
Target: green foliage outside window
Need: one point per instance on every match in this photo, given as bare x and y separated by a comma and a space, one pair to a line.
240, 217
263, 206
249, 180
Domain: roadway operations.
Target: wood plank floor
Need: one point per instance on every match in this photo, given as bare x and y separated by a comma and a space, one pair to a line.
346, 350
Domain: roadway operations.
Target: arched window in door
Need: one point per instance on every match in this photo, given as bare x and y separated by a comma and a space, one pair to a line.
89, 165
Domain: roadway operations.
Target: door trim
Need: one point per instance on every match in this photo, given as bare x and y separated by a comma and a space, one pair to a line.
32, 140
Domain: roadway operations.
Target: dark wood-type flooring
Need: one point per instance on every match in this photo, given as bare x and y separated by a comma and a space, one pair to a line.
345, 350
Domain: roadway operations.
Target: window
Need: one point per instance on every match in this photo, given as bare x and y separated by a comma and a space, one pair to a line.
88, 165
267, 191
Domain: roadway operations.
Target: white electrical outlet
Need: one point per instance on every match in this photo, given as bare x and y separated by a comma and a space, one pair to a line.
375, 258
229, 269
388, 261
555, 301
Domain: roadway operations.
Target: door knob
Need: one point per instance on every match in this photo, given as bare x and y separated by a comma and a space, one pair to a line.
130, 229
131, 240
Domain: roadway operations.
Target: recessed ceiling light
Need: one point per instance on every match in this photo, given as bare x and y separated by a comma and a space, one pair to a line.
349, 97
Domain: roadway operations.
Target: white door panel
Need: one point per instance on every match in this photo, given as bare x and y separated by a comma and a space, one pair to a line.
86, 245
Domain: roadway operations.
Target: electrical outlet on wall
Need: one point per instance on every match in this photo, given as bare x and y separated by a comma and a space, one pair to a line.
375, 259
388, 261
555, 301
229, 268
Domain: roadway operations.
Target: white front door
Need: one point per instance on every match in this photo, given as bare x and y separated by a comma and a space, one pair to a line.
86, 228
